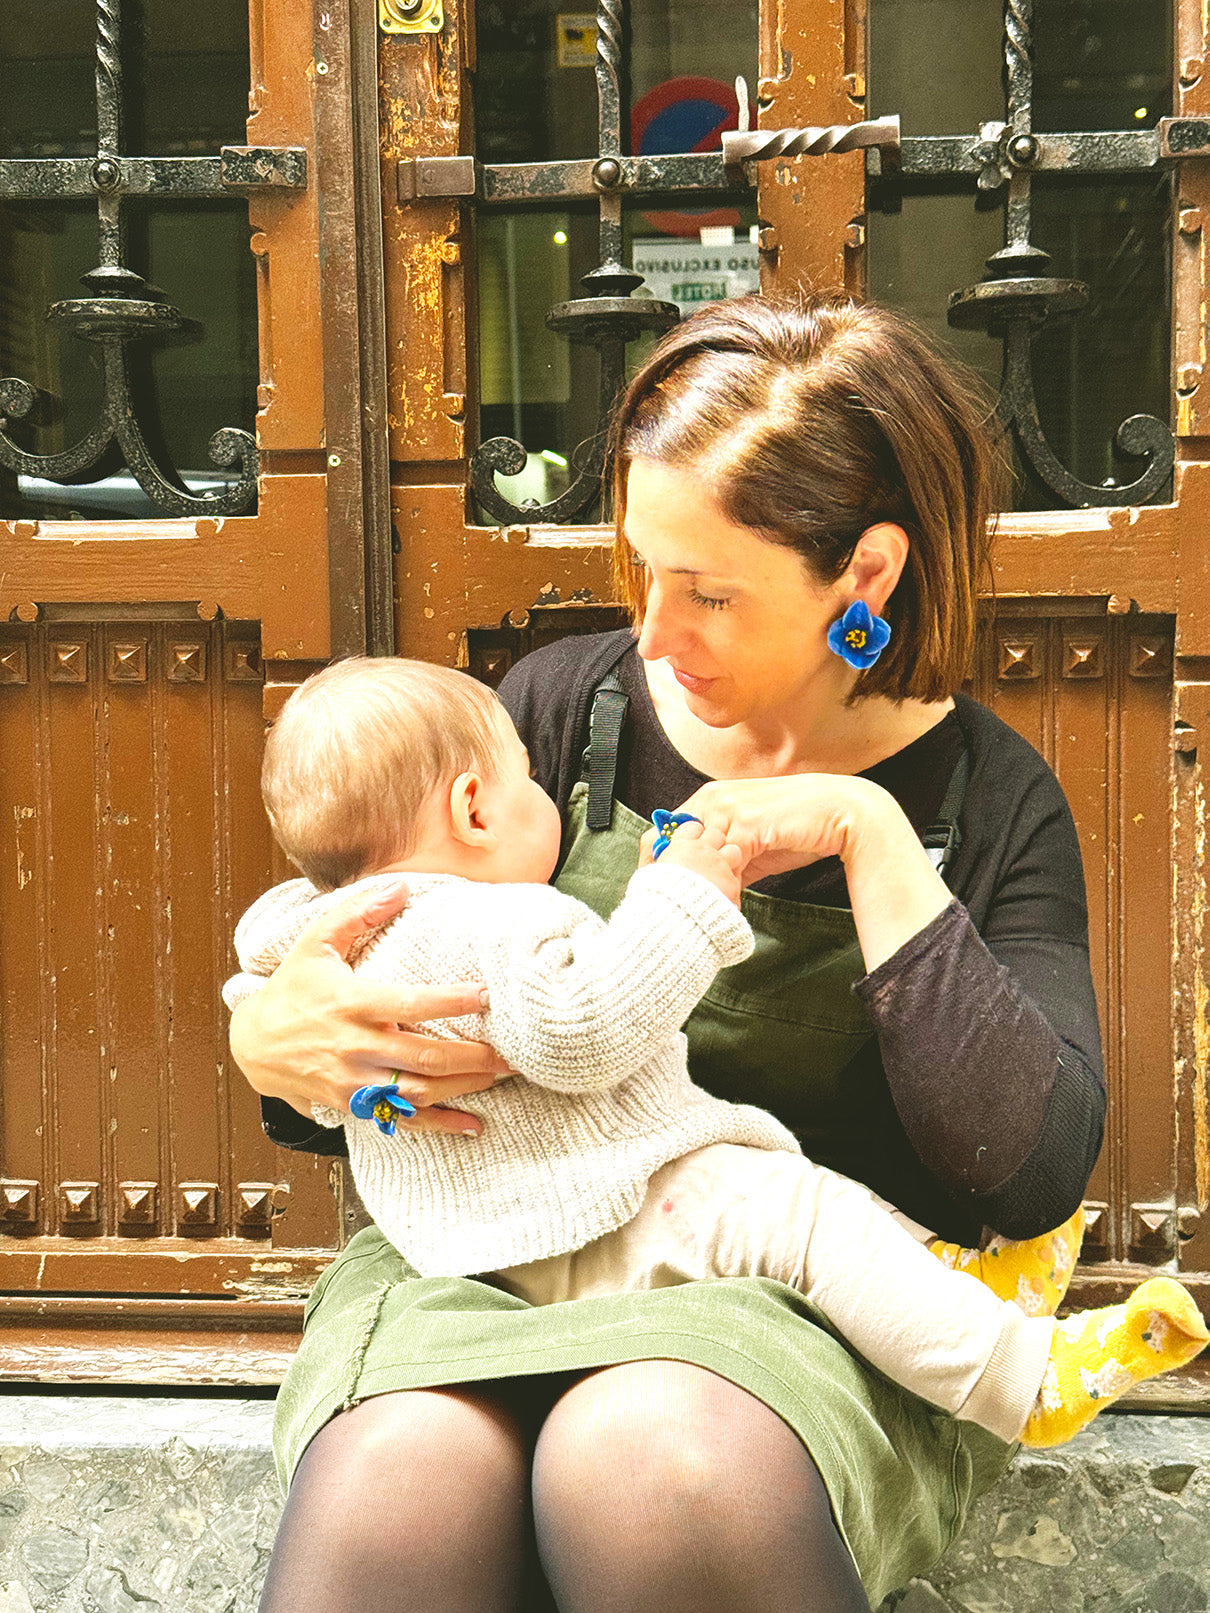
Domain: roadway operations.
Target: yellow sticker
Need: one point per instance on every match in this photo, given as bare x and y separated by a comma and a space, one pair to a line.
576, 32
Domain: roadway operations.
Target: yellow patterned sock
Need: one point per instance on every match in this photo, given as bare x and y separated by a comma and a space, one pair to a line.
1033, 1273
1097, 1355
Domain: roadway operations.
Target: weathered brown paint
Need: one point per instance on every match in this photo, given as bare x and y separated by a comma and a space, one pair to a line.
808, 49
132, 834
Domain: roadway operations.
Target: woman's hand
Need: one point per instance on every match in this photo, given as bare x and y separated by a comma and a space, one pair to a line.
314, 1033
784, 823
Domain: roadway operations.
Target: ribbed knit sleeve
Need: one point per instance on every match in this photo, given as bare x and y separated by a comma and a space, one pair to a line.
577, 1003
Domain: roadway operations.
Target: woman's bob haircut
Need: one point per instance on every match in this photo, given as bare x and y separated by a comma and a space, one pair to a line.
813, 419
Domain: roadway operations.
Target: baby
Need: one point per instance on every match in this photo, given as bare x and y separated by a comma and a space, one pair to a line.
601, 1167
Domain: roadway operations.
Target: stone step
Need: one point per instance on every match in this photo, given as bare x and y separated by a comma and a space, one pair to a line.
130, 1504
126, 1504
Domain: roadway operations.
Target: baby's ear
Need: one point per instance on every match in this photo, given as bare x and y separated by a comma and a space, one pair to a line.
467, 815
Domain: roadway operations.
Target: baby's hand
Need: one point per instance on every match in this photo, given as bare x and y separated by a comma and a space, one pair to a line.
703, 851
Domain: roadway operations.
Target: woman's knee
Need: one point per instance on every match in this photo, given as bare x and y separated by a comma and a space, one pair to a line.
444, 1448
661, 1485
670, 1435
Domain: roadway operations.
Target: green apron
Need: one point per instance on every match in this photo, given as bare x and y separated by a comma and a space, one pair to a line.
776, 1030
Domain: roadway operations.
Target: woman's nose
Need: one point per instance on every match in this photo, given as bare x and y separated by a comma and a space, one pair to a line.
657, 634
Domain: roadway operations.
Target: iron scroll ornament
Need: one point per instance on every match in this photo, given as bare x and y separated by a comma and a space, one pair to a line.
113, 321
121, 309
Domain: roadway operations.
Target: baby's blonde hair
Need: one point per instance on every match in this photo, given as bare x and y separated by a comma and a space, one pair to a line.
357, 753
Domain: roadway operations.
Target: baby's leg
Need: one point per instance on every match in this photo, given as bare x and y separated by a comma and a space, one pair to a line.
732, 1211
1032, 1272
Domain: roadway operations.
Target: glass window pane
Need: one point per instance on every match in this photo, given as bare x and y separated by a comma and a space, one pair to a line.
185, 86
47, 78
938, 63
536, 101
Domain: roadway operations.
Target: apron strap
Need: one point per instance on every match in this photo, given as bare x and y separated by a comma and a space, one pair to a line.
942, 839
610, 704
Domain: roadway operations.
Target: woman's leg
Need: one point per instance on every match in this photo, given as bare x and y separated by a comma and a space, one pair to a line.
409, 1503
660, 1487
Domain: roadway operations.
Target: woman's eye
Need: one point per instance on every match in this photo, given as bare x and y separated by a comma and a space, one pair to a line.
706, 600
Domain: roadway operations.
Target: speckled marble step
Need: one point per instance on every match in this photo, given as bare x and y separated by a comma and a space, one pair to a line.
134, 1505
114, 1504
1116, 1522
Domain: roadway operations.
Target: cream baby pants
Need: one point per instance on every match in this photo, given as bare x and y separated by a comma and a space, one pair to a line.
731, 1211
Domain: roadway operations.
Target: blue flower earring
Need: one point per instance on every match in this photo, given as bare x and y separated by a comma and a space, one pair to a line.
859, 637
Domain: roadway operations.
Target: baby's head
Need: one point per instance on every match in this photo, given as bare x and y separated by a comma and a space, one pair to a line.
383, 763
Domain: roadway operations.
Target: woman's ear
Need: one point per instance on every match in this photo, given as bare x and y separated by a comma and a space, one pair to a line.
468, 818
877, 564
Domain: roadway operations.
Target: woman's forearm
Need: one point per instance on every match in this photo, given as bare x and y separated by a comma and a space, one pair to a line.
894, 890
1005, 1113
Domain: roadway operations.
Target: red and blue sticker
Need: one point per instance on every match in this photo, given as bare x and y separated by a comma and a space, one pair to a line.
684, 114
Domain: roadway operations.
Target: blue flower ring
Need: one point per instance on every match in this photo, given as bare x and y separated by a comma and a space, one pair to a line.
859, 637
380, 1104
667, 823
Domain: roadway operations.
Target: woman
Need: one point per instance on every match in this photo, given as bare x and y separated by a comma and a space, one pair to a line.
713, 1446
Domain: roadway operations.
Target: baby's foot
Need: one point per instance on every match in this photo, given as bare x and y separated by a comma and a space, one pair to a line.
1097, 1355
1033, 1273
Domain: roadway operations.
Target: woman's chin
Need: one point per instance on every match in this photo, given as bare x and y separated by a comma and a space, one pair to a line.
711, 708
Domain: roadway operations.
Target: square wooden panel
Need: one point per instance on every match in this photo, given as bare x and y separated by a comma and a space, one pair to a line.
187, 662
126, 661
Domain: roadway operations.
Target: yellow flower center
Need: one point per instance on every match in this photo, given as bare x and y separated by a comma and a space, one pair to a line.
856, 638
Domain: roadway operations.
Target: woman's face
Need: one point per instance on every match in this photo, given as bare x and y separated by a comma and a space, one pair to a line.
740, 622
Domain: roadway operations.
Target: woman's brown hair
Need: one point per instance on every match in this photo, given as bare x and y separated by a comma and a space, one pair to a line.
815, 418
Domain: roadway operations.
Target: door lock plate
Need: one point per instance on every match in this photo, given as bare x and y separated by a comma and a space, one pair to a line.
410, 16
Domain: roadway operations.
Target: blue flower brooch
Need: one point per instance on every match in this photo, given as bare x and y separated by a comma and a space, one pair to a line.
380, 1104
859, 637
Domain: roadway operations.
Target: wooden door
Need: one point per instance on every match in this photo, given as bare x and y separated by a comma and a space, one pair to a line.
1086, 135
156, 597
518, 158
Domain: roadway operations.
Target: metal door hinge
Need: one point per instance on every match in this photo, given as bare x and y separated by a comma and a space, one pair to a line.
410, 16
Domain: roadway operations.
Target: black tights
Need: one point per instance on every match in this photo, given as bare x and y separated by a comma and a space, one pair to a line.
654, 1487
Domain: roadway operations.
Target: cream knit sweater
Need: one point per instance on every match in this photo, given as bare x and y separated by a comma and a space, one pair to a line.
588, 1013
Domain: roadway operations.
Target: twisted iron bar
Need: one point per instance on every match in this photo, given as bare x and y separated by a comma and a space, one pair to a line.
759, 145
109, 77
611, 20
1018, 62
122, 310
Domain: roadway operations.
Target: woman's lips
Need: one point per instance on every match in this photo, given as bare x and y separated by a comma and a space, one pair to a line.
688, 681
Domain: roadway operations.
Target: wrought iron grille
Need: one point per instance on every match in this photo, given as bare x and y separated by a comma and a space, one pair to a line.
121, 311
1017, 297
